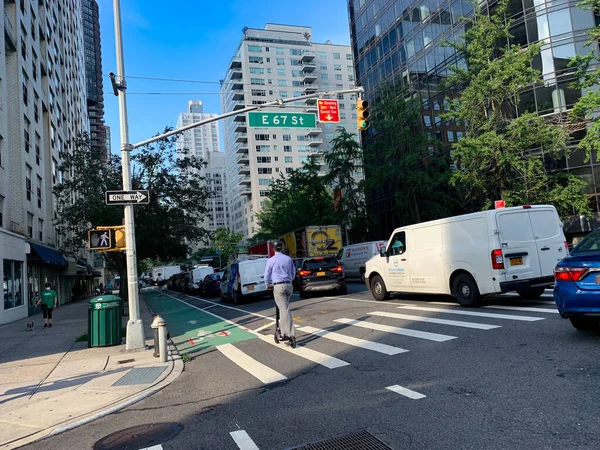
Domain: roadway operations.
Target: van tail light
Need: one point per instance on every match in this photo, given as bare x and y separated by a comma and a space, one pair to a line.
337, 269
497, 259
567, 246
570, 273
526, 206
304, 273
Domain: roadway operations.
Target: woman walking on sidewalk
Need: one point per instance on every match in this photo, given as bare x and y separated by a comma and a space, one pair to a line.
49, 301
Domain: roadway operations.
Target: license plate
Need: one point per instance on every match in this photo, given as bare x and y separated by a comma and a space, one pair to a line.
250, 288
516, 261
320, 274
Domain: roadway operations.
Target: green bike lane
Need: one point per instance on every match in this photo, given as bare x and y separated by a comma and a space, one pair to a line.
193, 330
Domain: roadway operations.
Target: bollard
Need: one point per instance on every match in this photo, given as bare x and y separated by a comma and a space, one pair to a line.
160, 325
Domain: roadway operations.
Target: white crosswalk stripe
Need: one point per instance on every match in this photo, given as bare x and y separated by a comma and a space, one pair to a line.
312, 355
454, 323
523, 308
396, 330
463, 312
356, 342
250, 365
406, 392
243, 440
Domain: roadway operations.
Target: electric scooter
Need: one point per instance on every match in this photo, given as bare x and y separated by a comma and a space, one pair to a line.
278, 337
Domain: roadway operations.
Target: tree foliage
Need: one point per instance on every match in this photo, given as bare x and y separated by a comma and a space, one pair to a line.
298, 200
227, 241
404, 162
501, 155
163, 228
344, 164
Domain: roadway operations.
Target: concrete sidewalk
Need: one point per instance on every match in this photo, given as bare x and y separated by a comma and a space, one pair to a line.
50, 383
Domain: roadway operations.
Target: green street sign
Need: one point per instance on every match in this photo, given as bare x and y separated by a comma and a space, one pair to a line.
282, 120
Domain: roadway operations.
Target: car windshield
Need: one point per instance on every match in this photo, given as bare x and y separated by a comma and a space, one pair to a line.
590, 244
311, 264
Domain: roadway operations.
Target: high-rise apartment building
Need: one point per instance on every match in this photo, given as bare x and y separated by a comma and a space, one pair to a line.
216, 179
279, 61
202, 140
43, 104
401, 42
93, 73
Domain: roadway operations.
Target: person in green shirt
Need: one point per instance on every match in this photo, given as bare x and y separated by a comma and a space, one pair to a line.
49, 301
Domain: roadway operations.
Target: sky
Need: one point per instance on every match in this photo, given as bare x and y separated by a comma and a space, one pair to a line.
188, 40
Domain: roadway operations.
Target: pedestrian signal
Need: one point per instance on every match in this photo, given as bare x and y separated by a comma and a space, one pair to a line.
120, 242
362, 114
99, 239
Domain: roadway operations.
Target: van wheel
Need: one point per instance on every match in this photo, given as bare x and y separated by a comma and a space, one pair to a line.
584, 323
237, 297
362, 275
465, 290
378, 289
531, 293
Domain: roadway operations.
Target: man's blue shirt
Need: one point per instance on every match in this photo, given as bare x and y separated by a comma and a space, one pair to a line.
279, 268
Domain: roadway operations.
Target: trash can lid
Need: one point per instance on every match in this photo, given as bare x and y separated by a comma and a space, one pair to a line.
105, 298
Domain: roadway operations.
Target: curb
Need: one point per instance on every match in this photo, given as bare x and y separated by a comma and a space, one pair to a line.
176, 370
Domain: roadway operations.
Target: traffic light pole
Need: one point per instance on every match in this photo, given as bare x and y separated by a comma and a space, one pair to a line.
135, 329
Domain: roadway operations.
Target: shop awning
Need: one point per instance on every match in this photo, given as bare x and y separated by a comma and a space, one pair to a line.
46, 255
83, 267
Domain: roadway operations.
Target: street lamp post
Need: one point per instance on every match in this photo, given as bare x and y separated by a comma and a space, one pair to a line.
135, 330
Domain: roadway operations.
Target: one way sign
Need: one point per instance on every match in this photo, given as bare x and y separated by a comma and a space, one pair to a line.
140, 197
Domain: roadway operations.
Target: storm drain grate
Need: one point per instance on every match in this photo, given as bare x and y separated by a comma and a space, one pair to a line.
358, 440
140, 375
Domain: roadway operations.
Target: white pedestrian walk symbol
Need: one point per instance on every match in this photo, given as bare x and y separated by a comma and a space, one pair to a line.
104, 239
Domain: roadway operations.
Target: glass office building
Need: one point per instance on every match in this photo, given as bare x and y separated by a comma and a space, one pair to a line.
400, 41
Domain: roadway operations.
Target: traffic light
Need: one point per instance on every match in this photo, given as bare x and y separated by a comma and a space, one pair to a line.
362, 114
99, 239
120, 242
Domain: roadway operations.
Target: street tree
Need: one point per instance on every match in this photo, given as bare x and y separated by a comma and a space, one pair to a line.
404, 162
226, 243
501, 155
164, 228
344, 162
300, 199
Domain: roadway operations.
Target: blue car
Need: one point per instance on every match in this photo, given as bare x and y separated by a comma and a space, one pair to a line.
577, 285
211, 285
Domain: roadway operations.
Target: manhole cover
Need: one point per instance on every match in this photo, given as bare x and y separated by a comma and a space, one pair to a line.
140, 436
357, 440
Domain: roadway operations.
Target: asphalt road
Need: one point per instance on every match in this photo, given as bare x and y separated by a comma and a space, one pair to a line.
516, 377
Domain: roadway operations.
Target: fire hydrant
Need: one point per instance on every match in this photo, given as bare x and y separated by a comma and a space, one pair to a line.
159, 324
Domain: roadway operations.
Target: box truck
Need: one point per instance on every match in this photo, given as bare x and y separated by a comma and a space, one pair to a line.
313, 241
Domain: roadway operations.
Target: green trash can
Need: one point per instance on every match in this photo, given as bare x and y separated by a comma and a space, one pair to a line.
105, 321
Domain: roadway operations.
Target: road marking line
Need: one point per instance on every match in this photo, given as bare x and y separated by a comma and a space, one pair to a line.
267, 325
523, 308
297, 319
312, 355
243, 441
455, 323
396, 330
154, 447
406, 392
473, 313
363, 301
363, 343
250, 365
225, 306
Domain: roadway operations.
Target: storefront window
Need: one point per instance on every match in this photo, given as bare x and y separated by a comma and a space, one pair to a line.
12, 283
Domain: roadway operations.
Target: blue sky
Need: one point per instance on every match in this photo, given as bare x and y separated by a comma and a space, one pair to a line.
186, 40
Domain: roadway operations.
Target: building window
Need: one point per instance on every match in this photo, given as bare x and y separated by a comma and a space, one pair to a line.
289, 169
1, 211
264, 181
28, 181
281, 61
282, 82
41, 230
348, 56
287, 148
279, 51
261, 137
257, 81
263, 148
38, 155
255, 59
39, 191
30, 225
259, 92
263, 193
13, 283
322, 54
336, 56
255, 48
287, 137
323, 66
281, 72
263, 159
265, 170
289, 159
324, 76
26, 128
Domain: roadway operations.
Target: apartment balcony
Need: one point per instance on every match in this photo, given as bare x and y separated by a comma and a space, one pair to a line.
311, 109
242, 159
241, 148
309, 67
10, 36
238, 104
314, 132
315, 142
240, 118
246, 190
241, 137
240, 128
244, 170
244, 181
235, 63
310, 89
238, 94
307, 56
236, 85
308, 77
235, 74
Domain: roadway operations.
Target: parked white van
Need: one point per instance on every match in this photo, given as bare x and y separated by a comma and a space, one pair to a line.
196, 276
354, 257
488, 252
244, 279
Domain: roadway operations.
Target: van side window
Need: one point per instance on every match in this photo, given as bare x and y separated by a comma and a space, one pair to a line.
398, 245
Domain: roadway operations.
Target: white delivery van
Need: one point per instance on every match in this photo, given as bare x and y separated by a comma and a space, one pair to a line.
488, 252
354, 257
196, 276
244, 279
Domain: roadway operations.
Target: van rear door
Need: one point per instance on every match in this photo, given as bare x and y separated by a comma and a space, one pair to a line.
549, 238
518, 245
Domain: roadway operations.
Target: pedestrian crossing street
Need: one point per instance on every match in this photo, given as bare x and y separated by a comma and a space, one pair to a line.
474, 320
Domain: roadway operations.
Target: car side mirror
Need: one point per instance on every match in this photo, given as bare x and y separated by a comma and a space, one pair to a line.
382, 252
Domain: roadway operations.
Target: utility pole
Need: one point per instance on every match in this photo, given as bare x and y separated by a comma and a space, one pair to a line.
135, 330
